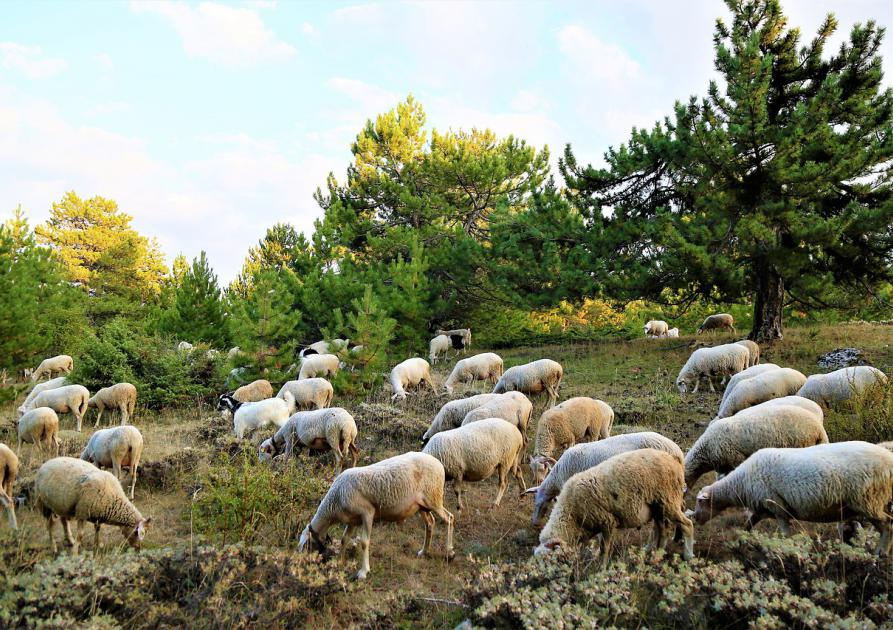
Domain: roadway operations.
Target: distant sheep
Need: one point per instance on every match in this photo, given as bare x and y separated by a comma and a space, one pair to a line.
318, 365
460, 338
720, 321
325, 347
709, 363
311, 393
116, 448
39, 427
261, 389
66, 399
480, 367
9, 469
320, 429
410, 373
62, 364
453, 413
121, 396
40, 387
513, 407
580, 419
184, 347
656, 328
673, 333
532, 378
753, 348
841, 385
760, 388
439, 345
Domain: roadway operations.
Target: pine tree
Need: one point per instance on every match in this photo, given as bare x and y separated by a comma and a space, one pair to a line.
282, 247
197, 313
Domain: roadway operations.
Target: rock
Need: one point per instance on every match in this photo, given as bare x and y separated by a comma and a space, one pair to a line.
841, 358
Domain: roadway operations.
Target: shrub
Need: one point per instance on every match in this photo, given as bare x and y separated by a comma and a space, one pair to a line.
868, 416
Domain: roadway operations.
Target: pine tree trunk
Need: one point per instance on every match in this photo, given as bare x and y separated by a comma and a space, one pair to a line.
768, 305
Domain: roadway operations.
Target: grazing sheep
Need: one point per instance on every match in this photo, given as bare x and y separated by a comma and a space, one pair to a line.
459, 337
248, 417
310, 393
841, 385
62, 364
532, 378
513, 407
184, 346
750, 372
453, 413
719, 361
261, 389
9, 469
760, 388
73, 489
625, 491
39, 427
580, 419
729, 441
656, 328
437, 346
753, 348
321, 430
795, 401
673, 333
480, 367
475, 451
40, 387
118, 447
66, 399
720, 321
321, 365
410, 373
584, 456
121, 396
821, 484
391, 490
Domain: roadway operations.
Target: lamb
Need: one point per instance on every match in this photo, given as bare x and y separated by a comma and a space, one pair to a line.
248, 417
673, 333
796, 401
254, 391
656, 328
437, 346
760, 388
116, 448
73, 489
480, 367
121, 396
513, 407
727, 442
459, 337
321, 429
311, 393
575, 420
9, 469
584, 456
66, 399
841, 385
62, 364
532, 378
822, 484
624, 491
39, 427
453, 413
391, 490
408, 374
322, 365
753, 348
720, 321
40, 387
754, 370
724, 361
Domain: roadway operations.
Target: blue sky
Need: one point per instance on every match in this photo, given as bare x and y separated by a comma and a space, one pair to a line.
210, 121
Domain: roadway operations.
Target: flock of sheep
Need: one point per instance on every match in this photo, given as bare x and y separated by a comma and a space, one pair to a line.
767, 445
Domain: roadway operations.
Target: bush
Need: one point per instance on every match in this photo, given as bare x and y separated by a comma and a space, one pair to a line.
868, 417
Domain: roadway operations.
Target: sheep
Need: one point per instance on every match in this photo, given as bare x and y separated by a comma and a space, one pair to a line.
724, 361
453, 413
234, 353
9, 469
72, 489
754, 370
760, 388
248, 417
66, 399
185, 347
62, 364
311, 393
408, 374
841, 385
532, 378
656, 328
475, 451
624, 491
513, 407
325, 347
322, 365
584, 456
726, 443
673, 333
821, 484
261, 389
480, 367
795, 401
437, 346
391, 490
459, 337
116, 448
575, 420
319, 429
39, 427
40, 387
753, 348
720, 321
121, 396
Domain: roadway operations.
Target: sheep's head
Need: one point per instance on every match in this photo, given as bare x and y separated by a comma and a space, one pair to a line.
547, 547
311, 540
135, 536
704, 508
267, 450
682, 385
540, 465
227, 402
91, 404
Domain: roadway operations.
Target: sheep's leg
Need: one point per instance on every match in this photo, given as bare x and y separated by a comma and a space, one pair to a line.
80, 420
607, 545
50, 519
447, 518
503, 484
885, 527
457, 486
429, 533
123, 411
339, 459
69, 537
710, 383
80, 530
697, 385
96, 527
784, 525
116, 469
365, 535
8, 504
346, 539
518, 474
99, 411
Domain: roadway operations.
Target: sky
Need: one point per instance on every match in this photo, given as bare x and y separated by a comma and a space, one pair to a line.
210, 121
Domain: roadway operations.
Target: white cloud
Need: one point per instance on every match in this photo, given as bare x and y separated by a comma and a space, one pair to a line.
599, 60
29, 61
308, 29
371, 99
222, 34
105, 61
528, 101
358, 12
111, 107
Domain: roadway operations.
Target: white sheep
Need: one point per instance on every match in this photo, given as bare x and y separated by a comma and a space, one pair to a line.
719, 361
61, 364
720, 321
185, 347
656, 328
39, 427
410, 373
391, 490
40, 387
121, 396
439, 345
261, 389
532, 378
325, 347
311, 393
248, 417
234, 353
322, 365
760, 388
480, 367
116, 448
753, 348
475, 451
513, 407
673, 333
579, 419
841, 385
822, 484
754, 370
452, 413
72, 489
625, 491
795, 401
320, 429
66, 399
9, 469
727, 442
